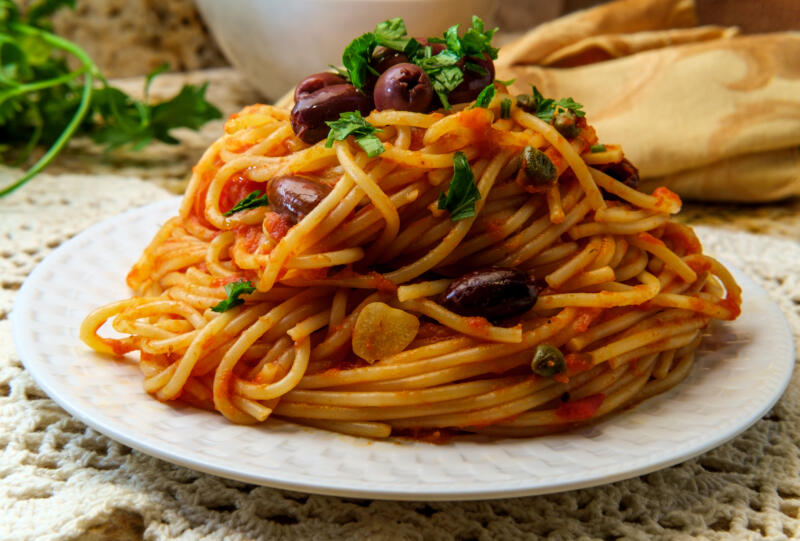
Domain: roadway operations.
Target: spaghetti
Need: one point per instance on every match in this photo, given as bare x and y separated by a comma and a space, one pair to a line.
344, 327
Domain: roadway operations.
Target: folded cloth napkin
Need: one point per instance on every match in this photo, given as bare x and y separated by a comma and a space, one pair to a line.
711, 114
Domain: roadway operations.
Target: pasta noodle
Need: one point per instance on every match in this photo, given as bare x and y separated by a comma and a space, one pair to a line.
624, 292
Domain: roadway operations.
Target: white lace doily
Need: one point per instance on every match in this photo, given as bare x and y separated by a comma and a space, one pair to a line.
59, 479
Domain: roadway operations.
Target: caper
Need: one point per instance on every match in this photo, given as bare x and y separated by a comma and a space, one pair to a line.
537, 166
566, 124
548, 361
527, 103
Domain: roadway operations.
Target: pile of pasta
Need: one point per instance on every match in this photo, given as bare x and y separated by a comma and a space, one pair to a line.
625, 292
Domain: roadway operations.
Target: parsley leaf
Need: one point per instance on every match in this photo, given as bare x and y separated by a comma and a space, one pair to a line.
250, 201
509, 82
128, 121
443, 72
356, 58
452, 40
392, 34
485, 97
477, 40
505, 108
597, 148
234, 290
462, 192
352, 123
547, 108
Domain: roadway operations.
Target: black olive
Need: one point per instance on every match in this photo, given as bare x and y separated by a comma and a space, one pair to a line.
537, 167
294, 197
403, 87
310, 113
548, 361
623, 171
566, 124
473, 82
314, 82
495, 293
383, 59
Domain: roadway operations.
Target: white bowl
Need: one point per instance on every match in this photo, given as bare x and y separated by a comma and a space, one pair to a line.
276, 43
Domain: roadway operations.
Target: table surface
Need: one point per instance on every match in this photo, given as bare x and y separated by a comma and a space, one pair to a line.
728, 513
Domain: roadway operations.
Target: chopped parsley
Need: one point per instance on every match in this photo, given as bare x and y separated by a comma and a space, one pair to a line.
250, 201
392, 34
441, 68
356, 59
234, 290
486, 96
352, 123
505, 108
597, 148
462, 192
509, 82
546, 108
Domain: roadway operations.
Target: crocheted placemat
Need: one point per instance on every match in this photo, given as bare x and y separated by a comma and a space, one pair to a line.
62, 480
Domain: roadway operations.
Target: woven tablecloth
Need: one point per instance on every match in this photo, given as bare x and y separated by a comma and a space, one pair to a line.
62, 480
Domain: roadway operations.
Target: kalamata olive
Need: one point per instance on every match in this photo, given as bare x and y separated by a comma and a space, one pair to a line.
566, 122
473, 82
310, 113
312, 83
403, 87
623, 171
384, 58
548, 361
537, 167
495, 293
294, 196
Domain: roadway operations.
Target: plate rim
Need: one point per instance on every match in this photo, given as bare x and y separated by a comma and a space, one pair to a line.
159, 209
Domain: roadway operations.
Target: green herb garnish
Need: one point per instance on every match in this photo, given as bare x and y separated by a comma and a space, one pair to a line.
486, 96
441, 68
505, 108
509, 82
546, 108
43, 101
392, 34
462, 192
597, 148
356, 59
250, 201
352, 123
234, 290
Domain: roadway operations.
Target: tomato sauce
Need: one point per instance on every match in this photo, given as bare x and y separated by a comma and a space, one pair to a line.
578, 362
277, 225
236, 189
582, 409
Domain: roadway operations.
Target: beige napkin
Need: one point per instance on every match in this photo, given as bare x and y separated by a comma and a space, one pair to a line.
709, 113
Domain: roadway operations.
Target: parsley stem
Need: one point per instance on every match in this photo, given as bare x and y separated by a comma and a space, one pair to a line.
89, 69
41, 85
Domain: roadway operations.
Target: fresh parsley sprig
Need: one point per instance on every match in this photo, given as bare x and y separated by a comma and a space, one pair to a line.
352, 123
462, 193
250, 201
234, 290
45, 102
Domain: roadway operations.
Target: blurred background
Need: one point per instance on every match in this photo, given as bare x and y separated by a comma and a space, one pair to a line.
132, 37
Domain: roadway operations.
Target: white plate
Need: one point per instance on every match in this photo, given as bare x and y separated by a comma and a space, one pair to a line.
741, 371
